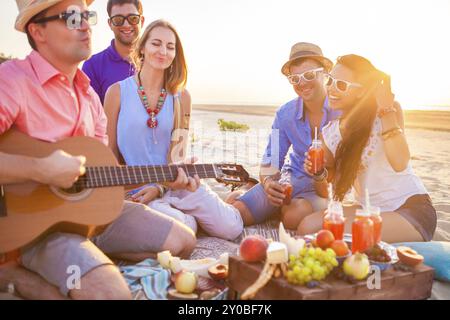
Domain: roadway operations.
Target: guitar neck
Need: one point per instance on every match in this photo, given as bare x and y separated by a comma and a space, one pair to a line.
110, 176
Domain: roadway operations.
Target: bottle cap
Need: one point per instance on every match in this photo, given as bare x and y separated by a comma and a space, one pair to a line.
362, 213
316, 143
335, 208
375, 211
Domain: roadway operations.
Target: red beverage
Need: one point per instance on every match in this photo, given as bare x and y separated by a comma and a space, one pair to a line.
316, 154
285, 181
377, 224
336, 228
362, 232
334, 220
287, 193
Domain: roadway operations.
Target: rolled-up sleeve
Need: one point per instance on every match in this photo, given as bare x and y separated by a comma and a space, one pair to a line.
277, 146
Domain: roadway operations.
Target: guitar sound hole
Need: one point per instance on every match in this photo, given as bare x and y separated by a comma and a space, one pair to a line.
76, 188
75, 193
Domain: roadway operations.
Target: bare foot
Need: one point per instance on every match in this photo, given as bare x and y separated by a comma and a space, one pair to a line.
26, 284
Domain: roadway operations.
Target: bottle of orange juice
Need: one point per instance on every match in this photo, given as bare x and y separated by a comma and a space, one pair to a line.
285, 181
316, 154
334, 219
362, 232
377, 223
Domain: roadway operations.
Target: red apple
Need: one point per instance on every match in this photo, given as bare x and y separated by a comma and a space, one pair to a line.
253, 248
340, 248
324, 239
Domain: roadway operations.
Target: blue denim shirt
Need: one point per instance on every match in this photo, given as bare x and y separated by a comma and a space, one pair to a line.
293, 131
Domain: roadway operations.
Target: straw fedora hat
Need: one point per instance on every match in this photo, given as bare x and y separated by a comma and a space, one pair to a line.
304, 50
29, 8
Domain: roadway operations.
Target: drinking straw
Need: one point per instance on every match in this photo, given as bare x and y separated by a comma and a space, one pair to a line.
367, 200
330, 192
315, 133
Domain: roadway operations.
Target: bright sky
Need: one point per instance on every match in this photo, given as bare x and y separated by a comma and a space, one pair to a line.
235, 48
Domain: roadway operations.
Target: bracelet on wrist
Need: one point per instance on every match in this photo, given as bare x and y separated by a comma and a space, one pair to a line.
265, 180
162, 190
391, 133
384, 111
321, 176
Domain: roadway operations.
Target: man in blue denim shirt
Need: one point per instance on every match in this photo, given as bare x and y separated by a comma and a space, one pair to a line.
293, 127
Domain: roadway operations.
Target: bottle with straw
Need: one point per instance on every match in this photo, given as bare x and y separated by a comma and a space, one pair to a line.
334, 220
363, 229
316, 154
375, 216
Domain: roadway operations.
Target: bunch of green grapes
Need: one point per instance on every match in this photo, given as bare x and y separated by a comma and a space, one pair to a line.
311, 264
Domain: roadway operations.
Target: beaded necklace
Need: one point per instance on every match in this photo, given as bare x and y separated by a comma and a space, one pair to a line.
152, 122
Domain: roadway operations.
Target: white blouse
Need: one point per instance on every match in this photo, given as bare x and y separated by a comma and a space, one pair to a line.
388, 189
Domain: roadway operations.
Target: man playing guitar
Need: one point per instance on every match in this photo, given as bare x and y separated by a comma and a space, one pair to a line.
48, 98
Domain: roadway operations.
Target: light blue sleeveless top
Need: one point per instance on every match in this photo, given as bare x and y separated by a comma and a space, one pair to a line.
135, 140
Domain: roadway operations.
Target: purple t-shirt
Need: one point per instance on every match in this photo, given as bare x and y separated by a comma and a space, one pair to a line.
106, 68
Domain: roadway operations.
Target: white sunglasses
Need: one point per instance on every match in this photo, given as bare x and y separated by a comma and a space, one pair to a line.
307, 76
339, 85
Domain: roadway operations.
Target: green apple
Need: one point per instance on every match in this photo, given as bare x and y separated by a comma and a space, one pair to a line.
357, 266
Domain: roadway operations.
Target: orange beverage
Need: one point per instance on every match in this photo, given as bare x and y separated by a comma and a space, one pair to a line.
334, 220
377, 224
362, 232
316, 155
287, 193
285, 181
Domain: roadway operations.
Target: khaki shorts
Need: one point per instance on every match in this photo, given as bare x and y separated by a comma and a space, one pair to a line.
60, 258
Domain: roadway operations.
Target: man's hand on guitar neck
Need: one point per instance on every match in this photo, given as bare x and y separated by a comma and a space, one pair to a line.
59, 169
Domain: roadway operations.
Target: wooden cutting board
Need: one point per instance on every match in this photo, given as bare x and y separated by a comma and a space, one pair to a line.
394, 285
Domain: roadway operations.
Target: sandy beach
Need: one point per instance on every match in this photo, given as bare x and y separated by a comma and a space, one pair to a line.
430, 149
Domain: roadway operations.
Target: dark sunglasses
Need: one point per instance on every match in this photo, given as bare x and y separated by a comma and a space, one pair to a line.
73, 19
119, 20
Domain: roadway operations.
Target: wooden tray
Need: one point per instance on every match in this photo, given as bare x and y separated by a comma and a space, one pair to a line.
397, 285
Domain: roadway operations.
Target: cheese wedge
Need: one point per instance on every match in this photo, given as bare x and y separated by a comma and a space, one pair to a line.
277, 253
293, 245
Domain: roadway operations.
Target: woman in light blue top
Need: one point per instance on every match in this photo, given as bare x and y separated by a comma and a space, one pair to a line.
146, 114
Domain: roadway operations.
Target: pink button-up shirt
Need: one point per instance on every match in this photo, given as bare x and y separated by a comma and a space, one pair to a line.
38, 100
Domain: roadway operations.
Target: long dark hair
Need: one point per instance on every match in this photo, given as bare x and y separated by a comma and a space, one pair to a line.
358, 123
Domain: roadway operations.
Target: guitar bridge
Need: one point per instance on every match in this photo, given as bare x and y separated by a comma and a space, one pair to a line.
2, 203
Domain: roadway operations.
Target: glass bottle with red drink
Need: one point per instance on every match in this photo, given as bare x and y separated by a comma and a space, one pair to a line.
334, 220
316, 155
362, 231
285, 181
375, 216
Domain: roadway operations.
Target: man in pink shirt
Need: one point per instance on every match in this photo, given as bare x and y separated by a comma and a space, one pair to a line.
47, 97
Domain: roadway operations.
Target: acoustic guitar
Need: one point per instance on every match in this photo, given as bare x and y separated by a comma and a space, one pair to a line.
30, 211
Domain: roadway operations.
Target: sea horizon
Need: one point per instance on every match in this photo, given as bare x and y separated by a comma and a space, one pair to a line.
274, 105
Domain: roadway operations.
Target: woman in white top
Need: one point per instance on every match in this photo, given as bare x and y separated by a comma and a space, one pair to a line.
366, 148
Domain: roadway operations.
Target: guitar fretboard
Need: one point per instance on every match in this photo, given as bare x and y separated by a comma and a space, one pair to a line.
109, 176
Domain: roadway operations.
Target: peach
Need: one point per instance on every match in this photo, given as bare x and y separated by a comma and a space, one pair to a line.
185, 282
253, 248
218, 272
340, 248
409, 256
324, 239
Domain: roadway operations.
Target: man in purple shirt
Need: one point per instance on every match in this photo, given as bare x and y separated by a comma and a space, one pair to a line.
293, 127
113, 64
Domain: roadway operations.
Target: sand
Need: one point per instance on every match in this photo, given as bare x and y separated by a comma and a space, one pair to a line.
430, 149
